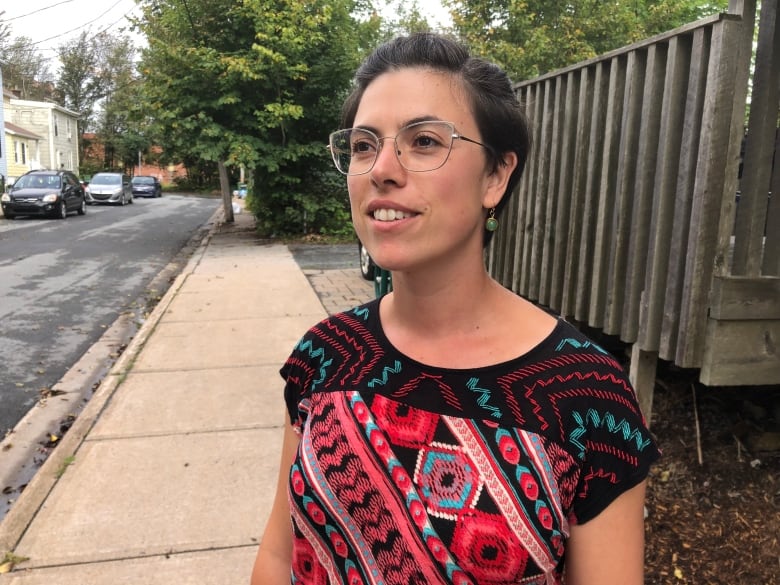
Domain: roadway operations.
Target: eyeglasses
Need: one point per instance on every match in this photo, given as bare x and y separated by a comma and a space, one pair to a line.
419, 147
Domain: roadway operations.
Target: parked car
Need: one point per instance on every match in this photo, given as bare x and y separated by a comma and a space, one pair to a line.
146, 186
367, 266
109, 188
46, 193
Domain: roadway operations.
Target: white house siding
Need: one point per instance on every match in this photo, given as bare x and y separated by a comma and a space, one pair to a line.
3, 159
59, 149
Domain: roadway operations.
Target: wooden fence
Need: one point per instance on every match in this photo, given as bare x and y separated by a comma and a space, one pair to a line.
631, 217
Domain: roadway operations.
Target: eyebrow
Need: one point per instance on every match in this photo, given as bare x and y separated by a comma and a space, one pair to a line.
405, 123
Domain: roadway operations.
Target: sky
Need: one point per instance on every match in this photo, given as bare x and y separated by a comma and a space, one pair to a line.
50, 23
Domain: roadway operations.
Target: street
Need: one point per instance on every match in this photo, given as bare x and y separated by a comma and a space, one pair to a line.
63, 283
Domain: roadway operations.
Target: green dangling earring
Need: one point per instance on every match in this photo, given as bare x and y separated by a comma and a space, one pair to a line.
491, 223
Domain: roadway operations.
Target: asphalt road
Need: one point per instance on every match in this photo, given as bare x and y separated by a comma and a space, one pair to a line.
63, 283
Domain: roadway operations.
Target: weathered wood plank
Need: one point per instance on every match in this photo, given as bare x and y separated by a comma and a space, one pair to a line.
604, 229
759, 147
739, 353
592, 181
577, 208
553, 192
626, 181
530, 200
771, 265
659, 253
722, 120
543, 190
643, 188
745, 298
689, 152
565, 181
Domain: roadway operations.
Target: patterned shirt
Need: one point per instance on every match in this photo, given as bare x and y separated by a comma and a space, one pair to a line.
418, 475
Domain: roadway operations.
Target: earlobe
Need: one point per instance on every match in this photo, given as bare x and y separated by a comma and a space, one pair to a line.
498, 180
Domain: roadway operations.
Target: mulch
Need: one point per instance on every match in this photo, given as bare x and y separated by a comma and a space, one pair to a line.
714, 498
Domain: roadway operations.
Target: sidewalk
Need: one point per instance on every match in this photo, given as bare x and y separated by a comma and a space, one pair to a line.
167, 475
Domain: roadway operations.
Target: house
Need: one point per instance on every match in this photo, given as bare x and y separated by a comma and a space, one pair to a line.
55, 125
3, 160
23, 148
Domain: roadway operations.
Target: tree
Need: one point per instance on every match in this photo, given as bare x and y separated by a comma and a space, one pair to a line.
531, 37
80, 84
258, 84
117, 77
25, 70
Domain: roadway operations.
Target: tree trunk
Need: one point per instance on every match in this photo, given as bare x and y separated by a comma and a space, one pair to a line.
227, 198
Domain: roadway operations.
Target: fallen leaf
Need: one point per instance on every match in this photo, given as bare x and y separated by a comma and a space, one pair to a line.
678, 573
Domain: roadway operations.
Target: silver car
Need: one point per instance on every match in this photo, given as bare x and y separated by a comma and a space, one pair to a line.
109, 188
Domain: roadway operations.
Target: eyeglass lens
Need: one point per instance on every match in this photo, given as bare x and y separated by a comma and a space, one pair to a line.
422, 146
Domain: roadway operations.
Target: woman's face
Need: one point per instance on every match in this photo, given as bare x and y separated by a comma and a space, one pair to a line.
409, 220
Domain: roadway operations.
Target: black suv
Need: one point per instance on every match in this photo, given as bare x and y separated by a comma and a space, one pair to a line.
47, 193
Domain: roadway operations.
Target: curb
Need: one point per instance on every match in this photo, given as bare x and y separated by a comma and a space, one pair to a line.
24, 510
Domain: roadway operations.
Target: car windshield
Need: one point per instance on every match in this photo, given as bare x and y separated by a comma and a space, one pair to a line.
38, 182
106, 180
143, 180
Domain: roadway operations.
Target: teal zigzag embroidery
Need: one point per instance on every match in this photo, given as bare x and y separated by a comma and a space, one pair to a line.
597, 421
576, 343
362, 313
386, 371
316, 354
484, 397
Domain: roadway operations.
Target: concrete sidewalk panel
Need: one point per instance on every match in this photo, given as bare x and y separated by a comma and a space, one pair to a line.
215, 567
154, 496
242, 303
159, 403
220, 344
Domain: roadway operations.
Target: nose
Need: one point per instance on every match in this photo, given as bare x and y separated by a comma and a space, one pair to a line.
387, 156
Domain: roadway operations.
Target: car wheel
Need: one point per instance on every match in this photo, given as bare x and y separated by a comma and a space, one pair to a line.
122, 199
9, 215
367, 266
62, 210
83, 207
131, 200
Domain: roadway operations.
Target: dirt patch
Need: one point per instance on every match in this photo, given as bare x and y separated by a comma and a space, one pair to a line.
714, 498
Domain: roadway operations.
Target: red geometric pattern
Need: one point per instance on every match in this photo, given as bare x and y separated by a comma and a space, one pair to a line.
408, 474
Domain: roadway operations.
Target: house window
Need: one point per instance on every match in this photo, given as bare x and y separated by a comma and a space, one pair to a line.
67, 127
24, 153
16, 151
56, 126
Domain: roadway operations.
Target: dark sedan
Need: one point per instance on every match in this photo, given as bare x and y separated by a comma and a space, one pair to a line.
144, 186
47, 193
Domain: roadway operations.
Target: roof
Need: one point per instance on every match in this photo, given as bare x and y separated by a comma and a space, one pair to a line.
19, 131
48, 105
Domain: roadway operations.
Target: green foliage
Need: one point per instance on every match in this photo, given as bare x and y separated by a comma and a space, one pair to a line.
532, 37
24, 69
258, 84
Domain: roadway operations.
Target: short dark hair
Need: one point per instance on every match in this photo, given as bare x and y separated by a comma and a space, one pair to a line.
500, 118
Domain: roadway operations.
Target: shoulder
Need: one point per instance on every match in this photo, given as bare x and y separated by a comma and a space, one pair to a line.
338, 346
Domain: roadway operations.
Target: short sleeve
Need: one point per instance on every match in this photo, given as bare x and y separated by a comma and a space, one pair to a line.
616, 448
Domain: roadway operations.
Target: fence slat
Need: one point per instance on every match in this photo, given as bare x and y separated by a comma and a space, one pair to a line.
565, 182
689, 153
636, 63
646, 162
664, 190
713, 200
604, 229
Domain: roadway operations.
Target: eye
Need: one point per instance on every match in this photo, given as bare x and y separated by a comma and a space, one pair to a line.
426, 141
362, 144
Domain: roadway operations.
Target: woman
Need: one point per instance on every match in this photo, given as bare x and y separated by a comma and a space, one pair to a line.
449, 432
